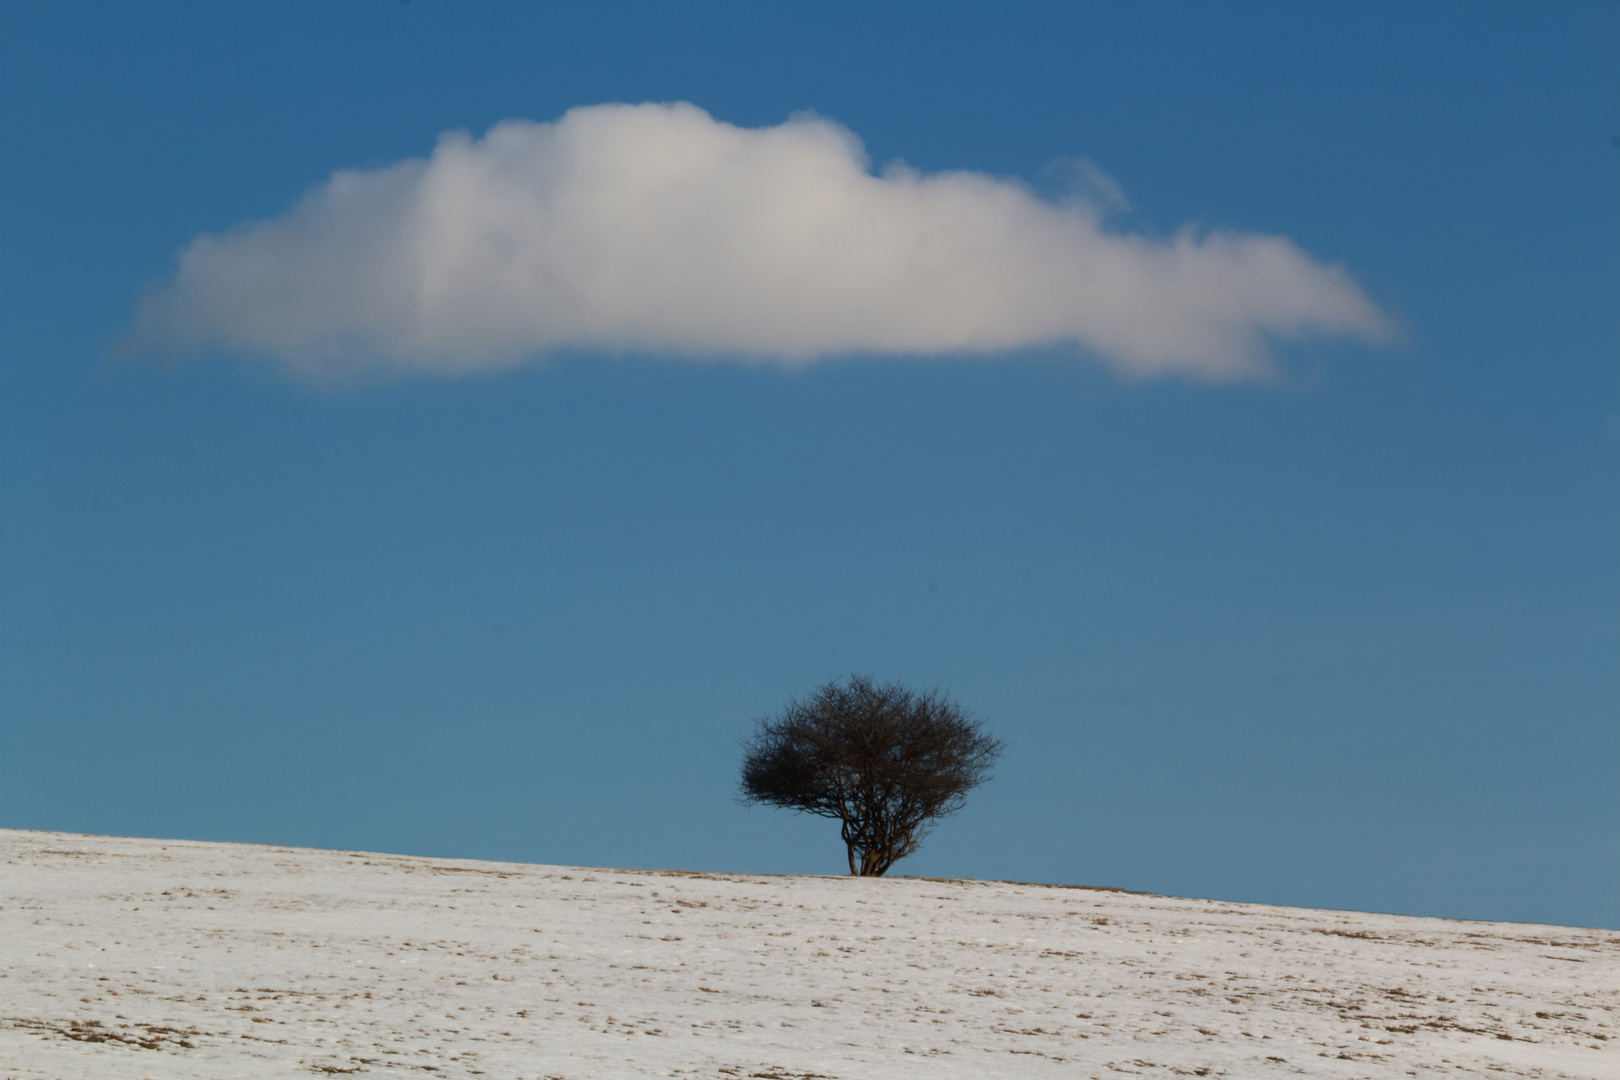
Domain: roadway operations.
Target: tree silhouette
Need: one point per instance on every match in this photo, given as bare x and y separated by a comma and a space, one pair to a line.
886, 761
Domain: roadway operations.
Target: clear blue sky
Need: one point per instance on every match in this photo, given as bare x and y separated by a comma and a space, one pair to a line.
1346, 634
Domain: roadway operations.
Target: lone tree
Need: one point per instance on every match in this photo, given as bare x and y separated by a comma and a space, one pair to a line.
884, 760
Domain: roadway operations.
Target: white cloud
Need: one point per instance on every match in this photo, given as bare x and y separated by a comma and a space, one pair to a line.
655, 227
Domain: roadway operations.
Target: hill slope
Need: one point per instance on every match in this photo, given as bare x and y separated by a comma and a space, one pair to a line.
135, 958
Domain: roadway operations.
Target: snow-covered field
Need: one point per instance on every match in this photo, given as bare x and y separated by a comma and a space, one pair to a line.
148, 958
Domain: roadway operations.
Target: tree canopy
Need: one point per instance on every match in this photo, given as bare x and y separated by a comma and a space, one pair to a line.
884, 760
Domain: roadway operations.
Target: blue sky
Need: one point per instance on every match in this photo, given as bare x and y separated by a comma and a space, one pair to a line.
1342, 631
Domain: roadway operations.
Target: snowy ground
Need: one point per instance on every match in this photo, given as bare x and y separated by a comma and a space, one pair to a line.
145, 958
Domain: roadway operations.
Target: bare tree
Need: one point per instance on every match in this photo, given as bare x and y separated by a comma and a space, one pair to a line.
884, 760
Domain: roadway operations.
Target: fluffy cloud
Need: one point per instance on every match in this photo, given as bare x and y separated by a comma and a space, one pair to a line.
657, 228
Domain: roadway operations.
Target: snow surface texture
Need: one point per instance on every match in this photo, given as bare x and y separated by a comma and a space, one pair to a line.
146, 958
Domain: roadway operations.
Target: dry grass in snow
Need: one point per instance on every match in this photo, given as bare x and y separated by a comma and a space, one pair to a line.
143, 958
